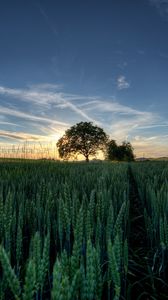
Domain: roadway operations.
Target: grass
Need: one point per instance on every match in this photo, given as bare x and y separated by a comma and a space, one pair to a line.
66, 230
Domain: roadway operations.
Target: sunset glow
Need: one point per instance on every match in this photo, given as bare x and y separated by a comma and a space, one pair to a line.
107, 64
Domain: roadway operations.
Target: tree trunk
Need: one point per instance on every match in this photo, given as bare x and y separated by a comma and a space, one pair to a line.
87, 158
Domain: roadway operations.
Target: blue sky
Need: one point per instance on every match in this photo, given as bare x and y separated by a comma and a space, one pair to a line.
62, 62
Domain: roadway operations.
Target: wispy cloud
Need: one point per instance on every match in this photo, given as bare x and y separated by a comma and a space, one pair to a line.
9, 123
126, 123
47, 19
165, 124
122, 83
46, 111
46, 86
22, 136
122, 122
154, 146
45, 97
103, 105
24, 115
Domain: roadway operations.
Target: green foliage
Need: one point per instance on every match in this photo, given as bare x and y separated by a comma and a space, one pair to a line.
56, 222
18, 245
57, 279
90, 272
114, 273
1, 218
83, 138
9, 274
152, 181
64, 227
29, 286
45, 261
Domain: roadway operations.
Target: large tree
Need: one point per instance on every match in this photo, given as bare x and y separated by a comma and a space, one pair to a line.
83, 138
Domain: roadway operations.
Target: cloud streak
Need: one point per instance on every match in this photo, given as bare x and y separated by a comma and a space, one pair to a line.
22, 136
47, 19
23, 115
45, 97
46, 111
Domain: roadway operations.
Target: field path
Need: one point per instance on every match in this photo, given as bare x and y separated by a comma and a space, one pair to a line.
139, 279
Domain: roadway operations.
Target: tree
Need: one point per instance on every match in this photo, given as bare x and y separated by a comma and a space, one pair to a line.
123, 152
83, 138
111, 150
127, 151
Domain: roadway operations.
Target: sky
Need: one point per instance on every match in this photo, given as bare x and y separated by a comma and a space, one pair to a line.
106, 62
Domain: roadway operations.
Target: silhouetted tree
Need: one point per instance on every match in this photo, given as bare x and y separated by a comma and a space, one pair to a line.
83, 138
112, 149
127, 151
123, 152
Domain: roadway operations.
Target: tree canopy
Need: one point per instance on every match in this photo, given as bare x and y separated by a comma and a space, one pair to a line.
83, 138
123, 152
